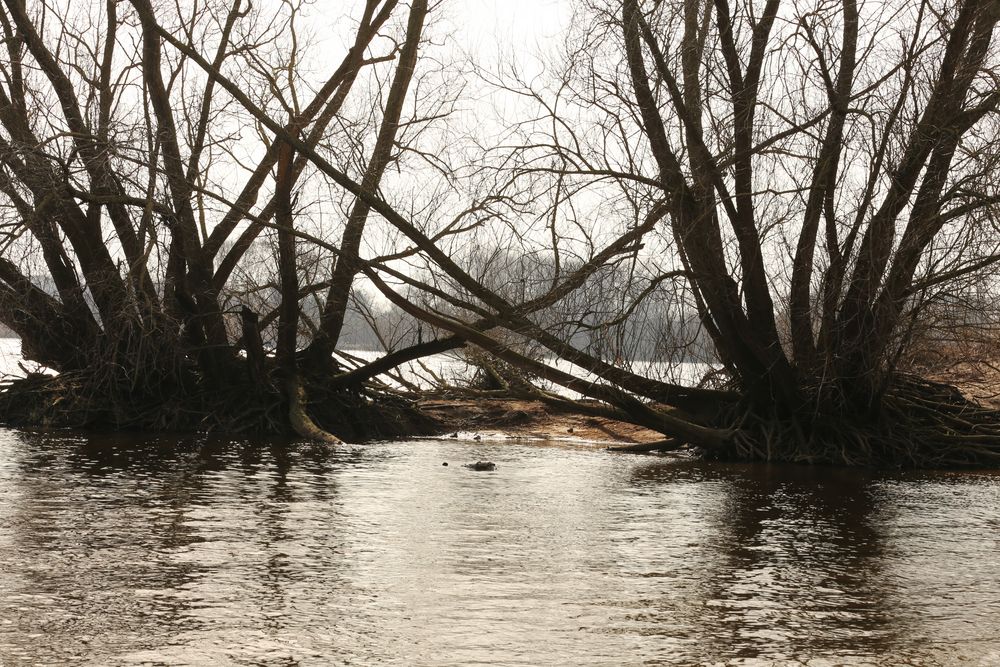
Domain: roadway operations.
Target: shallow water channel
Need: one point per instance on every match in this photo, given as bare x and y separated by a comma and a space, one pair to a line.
128, 550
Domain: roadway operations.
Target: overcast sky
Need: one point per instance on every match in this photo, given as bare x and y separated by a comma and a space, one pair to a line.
500, 24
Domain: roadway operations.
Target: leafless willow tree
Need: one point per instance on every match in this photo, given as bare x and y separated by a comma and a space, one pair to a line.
825, 168
146, 150
136, 191
802, 177
826, 176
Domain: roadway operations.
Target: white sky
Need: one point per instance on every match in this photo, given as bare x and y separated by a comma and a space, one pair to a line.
494, 25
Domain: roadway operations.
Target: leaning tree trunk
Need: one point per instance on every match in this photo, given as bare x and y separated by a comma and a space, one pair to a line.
347, 262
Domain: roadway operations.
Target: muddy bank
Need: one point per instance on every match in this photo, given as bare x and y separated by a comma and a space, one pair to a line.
530, 419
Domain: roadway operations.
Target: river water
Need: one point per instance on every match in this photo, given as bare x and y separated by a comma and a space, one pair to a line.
126, 550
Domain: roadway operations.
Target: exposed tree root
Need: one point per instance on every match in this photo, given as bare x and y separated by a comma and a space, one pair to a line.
920, 424
104, 399
299, 418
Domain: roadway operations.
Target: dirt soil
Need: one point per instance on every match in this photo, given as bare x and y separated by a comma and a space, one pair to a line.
491, 417
977, 380
504, 418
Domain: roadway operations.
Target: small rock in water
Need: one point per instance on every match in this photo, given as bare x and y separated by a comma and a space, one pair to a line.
453, 435
445, 463
570, 429
481, 465
478, 437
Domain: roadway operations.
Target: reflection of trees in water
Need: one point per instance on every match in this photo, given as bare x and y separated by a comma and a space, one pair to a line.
193, 542
141, 539
792, 566
89, 512
805, 563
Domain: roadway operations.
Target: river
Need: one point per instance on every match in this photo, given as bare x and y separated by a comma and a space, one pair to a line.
127, 550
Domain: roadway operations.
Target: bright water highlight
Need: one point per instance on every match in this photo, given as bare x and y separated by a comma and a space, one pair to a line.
128, 550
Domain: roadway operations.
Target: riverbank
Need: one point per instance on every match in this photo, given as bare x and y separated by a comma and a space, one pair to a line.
978, 381
46, 402
508, 417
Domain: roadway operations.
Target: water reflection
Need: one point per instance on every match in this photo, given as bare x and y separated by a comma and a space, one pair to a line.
194, 551
802, 566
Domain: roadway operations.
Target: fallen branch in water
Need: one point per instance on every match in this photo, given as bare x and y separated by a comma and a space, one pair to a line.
667, 445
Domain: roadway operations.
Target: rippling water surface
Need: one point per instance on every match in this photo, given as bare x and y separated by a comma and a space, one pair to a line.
124, 550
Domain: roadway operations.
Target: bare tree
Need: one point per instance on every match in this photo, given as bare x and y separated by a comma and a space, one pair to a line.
804, 178
133, 192
824, 168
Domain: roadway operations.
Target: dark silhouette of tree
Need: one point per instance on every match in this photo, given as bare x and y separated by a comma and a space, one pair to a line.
823, 168
806, 178
117, 169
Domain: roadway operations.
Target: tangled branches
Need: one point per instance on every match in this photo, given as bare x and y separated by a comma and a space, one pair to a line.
109, 398
918, 424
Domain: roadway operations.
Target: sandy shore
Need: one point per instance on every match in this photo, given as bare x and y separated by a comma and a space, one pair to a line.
527, 419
